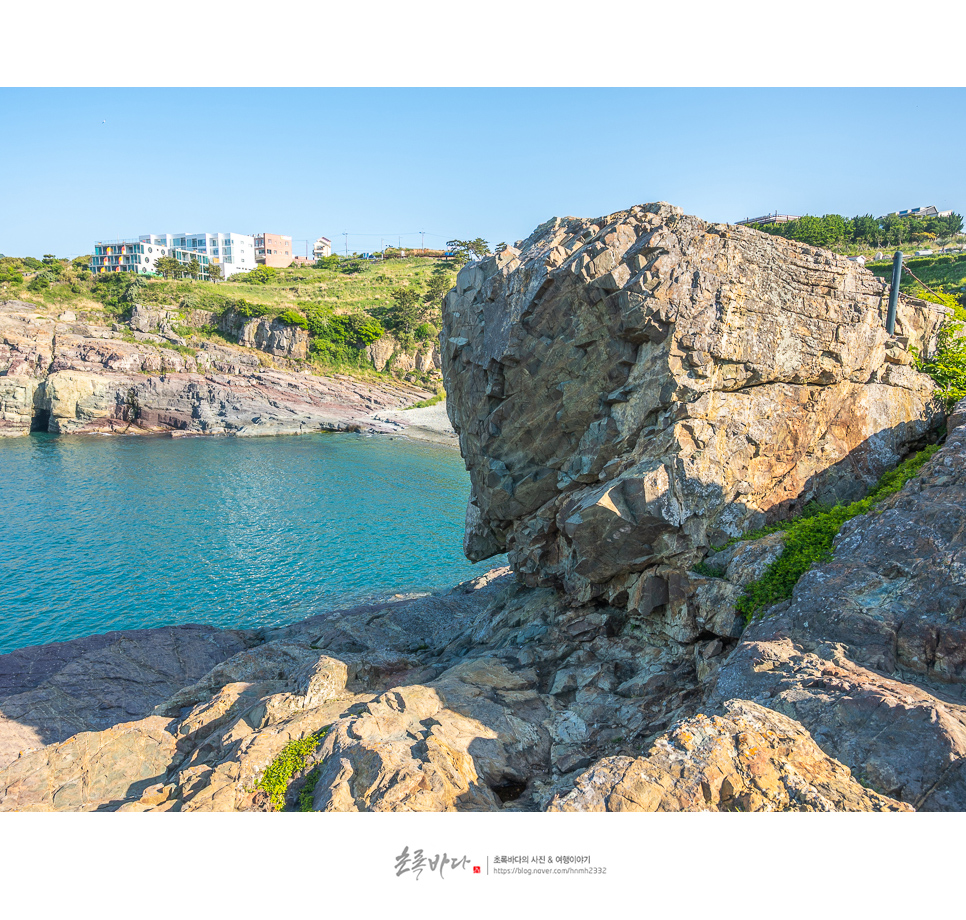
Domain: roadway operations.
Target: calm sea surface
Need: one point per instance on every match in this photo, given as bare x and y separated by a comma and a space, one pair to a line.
107, 533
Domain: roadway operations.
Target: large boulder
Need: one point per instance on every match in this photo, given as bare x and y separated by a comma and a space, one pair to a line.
633, 389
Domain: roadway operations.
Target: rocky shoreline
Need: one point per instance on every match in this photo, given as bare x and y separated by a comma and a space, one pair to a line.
78, 376
629, 393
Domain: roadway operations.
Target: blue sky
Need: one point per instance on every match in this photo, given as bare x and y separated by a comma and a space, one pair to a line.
382, 164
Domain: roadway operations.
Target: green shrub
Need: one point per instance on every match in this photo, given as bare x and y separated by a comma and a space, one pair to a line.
248, 310
947, 366
293, 318
709, 571
262, 274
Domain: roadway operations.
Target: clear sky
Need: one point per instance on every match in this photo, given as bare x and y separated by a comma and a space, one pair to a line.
384, 164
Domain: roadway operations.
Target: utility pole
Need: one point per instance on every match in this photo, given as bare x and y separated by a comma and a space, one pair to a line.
422, 239
345, 233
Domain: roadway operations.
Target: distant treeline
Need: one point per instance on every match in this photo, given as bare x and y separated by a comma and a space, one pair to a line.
891, 230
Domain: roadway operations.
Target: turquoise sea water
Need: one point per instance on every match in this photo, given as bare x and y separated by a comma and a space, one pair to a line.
104, 533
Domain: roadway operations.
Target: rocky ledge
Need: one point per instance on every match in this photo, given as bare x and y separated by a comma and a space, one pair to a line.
70, 376
603, 672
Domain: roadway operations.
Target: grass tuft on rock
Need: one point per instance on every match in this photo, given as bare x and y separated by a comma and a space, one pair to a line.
290, 761
809, 538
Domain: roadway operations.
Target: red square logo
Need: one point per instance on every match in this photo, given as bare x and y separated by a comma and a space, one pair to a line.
476, 870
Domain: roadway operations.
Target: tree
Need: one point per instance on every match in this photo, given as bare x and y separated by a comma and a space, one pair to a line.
479, 247
463, 249
214, 271
948, 226
329, 262
406, 311
133, 289
168, 267
440, 283
194, 267
893, 229
865, 229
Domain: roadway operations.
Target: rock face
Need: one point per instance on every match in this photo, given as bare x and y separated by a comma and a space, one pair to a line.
870, 652
51, 692
71, 377
605, 673
753, 759
632, 389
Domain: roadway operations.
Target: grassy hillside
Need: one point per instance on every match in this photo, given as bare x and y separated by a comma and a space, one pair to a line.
344, 306
942, 273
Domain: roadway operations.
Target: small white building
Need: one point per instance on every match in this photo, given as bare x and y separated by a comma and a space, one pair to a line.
322, 248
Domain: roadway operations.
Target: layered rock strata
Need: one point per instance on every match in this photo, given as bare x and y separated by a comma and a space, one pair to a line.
631, 389
72, 377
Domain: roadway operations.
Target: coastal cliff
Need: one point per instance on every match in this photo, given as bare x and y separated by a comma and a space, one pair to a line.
630, 394
67, 375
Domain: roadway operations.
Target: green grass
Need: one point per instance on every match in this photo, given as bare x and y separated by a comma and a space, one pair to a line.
809, 538
939, 271
432, 401
290, 761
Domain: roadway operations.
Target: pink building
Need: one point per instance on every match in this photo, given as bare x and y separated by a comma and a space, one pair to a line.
273, 250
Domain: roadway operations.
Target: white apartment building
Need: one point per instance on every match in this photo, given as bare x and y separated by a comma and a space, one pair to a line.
322, 248
141, 256
233, 252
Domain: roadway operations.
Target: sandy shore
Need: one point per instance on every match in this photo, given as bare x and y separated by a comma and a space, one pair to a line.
428, 424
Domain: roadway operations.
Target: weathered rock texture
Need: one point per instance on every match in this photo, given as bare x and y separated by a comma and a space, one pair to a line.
604, 674
753, 759
72, 377
870, 652
51, 692
631, 389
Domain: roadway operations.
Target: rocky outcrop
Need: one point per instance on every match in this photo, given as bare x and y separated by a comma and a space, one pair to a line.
604, 673
752, 759
633, 389
76, 377
51, 692
386, 353
869, 655
267, 334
